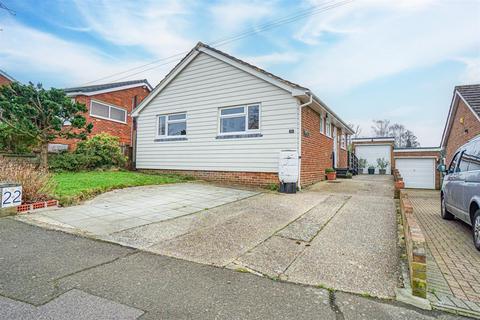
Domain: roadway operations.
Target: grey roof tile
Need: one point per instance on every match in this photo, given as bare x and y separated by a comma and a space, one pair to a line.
105, 86
471, 94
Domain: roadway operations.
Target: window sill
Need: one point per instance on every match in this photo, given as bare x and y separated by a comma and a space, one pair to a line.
239, 136
170, 139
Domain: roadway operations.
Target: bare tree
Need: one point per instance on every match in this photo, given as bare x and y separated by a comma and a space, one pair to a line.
357, 130
380, 127
410, 139
398, 131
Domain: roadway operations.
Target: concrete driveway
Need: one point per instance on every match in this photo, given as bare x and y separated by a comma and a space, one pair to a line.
339, 235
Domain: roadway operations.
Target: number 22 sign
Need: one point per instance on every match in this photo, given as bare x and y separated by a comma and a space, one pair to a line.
11, 197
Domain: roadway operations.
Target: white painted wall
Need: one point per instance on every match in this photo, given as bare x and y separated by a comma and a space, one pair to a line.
204, 86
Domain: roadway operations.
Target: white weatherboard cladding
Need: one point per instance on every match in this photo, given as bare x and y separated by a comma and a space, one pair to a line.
204, 86
417, 172
373, 152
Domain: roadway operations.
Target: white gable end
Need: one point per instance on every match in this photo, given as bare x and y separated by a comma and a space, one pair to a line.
200, 89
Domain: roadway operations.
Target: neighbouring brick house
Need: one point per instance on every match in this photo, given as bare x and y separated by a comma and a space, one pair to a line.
219, 118
463, 122
109, 109
5, 78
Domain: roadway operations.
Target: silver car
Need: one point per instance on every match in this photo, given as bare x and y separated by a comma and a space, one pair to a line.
460, 193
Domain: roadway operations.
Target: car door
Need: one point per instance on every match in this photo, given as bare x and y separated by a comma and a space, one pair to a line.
471, 188
459, 196
451, 186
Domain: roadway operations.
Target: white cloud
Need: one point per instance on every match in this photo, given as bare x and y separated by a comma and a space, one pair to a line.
31, 52
157, 28
381, 38
472, 70
232, 16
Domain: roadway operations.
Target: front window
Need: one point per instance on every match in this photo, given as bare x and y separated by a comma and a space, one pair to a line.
172, 125
239, 119
328, 126
343, 142
322, 123
108, 112
453, 164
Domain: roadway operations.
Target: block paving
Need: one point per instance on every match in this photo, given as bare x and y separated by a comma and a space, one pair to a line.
453, 263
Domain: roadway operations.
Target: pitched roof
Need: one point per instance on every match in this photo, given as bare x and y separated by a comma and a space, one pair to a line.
6, 75
471, 94
107, 87
295, 88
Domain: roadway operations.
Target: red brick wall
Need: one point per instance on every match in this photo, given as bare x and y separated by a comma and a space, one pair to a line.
316, 149
254, 179
122, 99
4, 80
460, 133
419, 154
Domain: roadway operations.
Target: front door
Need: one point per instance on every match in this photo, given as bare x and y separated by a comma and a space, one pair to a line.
335, 147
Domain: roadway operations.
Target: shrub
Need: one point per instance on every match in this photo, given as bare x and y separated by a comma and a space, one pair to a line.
37, 184
382, 163
329, 170
272, 187
101, 151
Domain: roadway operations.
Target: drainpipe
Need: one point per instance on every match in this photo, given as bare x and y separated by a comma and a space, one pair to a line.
300, 138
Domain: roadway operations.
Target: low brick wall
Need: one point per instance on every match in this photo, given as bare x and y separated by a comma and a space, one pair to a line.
399, 184
416, 248
255, 179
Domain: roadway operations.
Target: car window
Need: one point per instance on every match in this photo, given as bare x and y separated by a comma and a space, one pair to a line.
472, 156
453, 164
463, 165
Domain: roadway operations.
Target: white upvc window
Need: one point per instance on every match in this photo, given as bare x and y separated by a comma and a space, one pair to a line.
328, 126
171, 125
343, 142
239, 119
322, 123
108, 112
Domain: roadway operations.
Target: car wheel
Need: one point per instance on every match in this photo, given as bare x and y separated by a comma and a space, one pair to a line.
476, 229
445, 214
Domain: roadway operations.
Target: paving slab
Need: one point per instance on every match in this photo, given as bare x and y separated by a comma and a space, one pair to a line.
355, 252
308, 226
133, 207
254, 220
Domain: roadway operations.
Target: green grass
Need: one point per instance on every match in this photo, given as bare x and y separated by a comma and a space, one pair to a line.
73, 187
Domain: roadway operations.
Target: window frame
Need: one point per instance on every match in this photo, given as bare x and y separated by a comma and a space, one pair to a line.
110, 106
343, 141
236, 115
322, 123
455, 158
328, 126
167, 121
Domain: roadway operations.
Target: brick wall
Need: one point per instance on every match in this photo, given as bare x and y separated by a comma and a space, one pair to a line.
254, 179
342, 153
419, 154
460, 133
316, 149
122, 99
4, 80
416, 247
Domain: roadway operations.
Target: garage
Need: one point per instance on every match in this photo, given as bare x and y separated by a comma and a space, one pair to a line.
373, 149
418, 173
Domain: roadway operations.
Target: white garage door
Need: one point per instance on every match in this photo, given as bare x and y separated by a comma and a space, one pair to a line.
417, 172
373, 152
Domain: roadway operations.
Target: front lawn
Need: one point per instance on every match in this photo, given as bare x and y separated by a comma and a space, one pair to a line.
72, 187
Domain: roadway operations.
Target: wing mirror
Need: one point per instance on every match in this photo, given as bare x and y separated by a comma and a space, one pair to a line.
442, 168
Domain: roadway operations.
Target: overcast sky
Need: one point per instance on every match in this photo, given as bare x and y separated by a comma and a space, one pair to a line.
368, 59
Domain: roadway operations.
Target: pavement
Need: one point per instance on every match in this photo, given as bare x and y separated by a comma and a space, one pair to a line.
339, 235
47, 274
453, 263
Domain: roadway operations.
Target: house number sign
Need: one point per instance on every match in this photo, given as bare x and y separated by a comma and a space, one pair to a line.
11, 196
